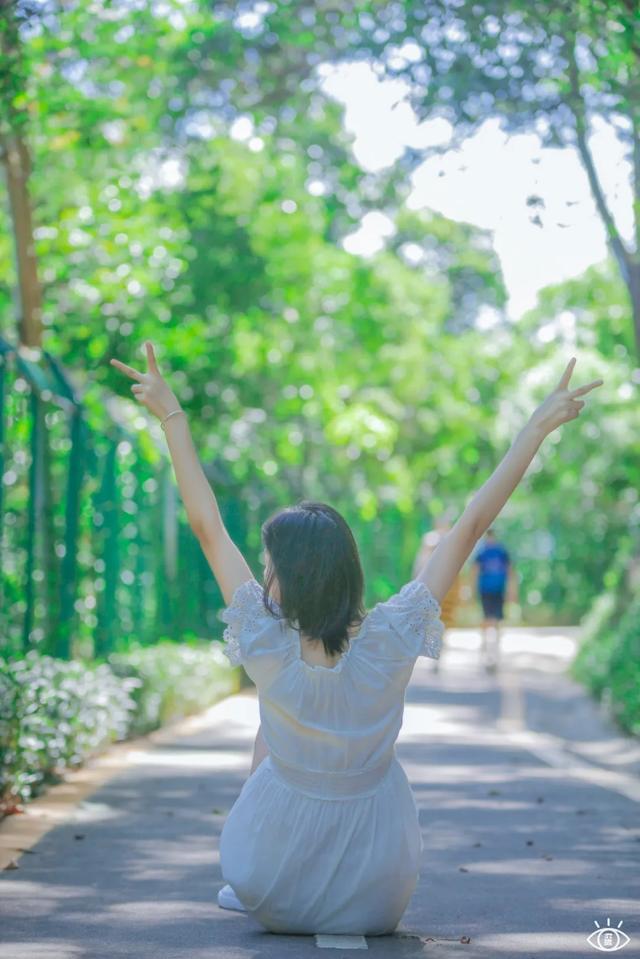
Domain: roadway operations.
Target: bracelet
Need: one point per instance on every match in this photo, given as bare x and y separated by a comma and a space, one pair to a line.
168, 417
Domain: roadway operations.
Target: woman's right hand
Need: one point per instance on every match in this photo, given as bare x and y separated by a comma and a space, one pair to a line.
151, 389
562, 404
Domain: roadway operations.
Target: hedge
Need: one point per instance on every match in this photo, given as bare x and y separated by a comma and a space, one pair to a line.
54, 713
608, 661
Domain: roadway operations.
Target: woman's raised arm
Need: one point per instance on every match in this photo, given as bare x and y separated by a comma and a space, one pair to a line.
559, 407
227, 563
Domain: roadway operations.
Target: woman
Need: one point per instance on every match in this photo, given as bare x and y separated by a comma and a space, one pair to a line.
324, 836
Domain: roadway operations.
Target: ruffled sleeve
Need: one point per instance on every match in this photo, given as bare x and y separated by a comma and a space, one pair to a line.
412, 620
253, 637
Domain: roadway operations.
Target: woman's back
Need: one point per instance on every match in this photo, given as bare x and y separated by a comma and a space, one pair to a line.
341, 717
324, 836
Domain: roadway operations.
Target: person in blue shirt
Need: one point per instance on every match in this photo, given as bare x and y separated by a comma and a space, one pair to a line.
494, 579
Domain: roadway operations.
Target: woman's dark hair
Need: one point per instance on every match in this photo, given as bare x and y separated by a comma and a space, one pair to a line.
315, 559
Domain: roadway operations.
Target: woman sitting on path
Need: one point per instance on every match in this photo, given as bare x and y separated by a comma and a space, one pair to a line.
324, 836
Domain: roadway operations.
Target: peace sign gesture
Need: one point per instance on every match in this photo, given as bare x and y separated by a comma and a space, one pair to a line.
562, 404
150, 387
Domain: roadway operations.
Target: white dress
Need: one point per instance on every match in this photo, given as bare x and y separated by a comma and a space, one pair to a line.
324, 835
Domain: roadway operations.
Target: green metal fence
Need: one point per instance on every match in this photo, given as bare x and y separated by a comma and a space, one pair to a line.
93, 547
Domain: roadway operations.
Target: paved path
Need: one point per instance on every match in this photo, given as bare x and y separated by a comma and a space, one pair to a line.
529, 803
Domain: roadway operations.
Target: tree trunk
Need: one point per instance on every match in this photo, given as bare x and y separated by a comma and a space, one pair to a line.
16, 162
17, 166
634, 293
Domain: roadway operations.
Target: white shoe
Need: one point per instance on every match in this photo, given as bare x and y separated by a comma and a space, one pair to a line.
227, 899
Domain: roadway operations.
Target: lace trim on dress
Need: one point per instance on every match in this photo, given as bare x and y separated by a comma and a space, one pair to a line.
414, 609
232, 649
245, 612
430, 610
416, 614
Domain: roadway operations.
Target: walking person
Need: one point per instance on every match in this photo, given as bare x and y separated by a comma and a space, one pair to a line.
324, 836
495, 580
451, 602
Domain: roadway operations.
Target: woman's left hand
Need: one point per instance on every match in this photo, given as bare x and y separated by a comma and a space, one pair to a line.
151, 388
562, 404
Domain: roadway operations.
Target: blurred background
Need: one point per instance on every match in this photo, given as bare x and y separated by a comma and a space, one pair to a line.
365, 238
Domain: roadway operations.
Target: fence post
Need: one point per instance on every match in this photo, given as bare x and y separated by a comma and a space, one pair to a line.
34, 511
107, 495
49, 585
170, 547
138, 586
68, 586
3, 631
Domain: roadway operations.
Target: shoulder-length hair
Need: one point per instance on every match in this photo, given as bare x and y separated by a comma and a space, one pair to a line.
315, 558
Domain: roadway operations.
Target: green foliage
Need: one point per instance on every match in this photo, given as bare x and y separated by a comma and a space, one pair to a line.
305, 371
171, 680
55, 714
622, 693
608, 660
